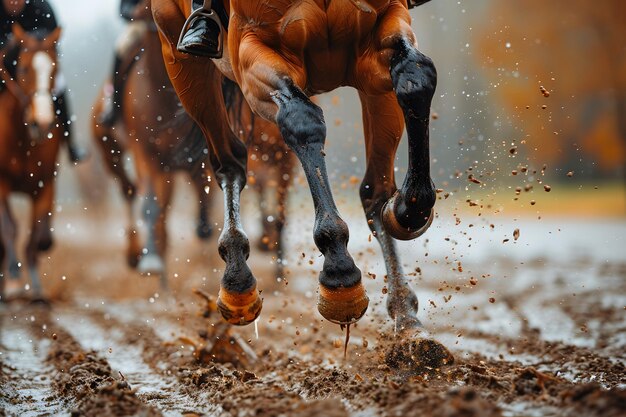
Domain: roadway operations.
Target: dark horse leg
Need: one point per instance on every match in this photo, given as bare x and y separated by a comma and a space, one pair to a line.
342, 297
383, 125
204, 229
409, 212
40, 237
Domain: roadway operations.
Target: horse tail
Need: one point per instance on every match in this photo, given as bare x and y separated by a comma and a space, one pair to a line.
235, 104
191, 152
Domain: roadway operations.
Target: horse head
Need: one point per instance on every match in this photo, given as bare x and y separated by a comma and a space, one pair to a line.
36, 73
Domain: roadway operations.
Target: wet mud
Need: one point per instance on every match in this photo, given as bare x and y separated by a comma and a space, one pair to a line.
113, 343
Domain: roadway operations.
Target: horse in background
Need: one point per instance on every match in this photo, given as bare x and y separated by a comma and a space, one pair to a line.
159, 136
162, 140
30, 135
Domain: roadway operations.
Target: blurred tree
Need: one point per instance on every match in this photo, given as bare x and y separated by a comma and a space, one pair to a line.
569, 56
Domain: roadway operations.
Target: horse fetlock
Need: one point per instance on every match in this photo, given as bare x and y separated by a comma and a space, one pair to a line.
402, 306
342, 305
233, 244
408, 219
414, 79
329, 232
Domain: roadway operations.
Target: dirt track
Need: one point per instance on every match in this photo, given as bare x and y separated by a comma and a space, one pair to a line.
536, 326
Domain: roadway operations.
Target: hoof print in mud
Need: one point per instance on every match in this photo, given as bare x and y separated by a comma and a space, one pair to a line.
418, 355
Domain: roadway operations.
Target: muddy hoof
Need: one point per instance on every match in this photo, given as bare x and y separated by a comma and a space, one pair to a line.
151, 264
239, 308
342, 305
418, 354
395, 229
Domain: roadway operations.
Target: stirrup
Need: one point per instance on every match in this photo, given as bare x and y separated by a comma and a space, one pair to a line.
211, 15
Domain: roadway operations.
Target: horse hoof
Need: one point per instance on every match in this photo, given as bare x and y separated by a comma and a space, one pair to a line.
395, 229
418, 353
342, 305
239, 308
151, 264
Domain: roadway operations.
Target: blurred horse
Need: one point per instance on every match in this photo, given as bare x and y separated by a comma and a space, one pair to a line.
162, 139
280, 52
30, 133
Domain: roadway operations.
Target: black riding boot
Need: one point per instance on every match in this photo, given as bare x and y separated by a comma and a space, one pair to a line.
76, 154
202, 37
109, 115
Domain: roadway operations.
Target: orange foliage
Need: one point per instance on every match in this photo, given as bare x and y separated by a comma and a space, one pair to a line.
575, 51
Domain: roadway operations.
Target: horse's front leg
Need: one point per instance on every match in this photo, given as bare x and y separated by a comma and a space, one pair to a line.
410, 212
383, 125
199, 87
270, 87
395, 64
8, 233
41, 236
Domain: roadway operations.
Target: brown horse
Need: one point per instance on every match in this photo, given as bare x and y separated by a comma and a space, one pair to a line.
30, 133
280, 52
150, 131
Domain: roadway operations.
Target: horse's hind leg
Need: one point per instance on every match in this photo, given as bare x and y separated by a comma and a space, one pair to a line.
113, 154
8, 233
200, 180
383, 124
239, 300
40, 237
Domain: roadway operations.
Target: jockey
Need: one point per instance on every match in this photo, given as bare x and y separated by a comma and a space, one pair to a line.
37, 18
202, 33
138, 15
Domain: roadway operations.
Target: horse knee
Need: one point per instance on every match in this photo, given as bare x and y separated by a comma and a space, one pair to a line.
301, 122
232, 243
414, 77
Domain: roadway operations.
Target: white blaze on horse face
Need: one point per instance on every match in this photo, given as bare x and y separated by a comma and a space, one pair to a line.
42, 101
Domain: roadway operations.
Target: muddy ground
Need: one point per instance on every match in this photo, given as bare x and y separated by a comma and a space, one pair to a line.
537, 325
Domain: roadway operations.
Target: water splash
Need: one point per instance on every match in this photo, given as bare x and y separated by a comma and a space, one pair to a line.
256, 328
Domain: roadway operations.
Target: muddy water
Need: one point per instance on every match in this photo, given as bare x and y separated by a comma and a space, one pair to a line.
551, 342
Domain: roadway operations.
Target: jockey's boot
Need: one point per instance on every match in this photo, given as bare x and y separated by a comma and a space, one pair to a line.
202, 32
